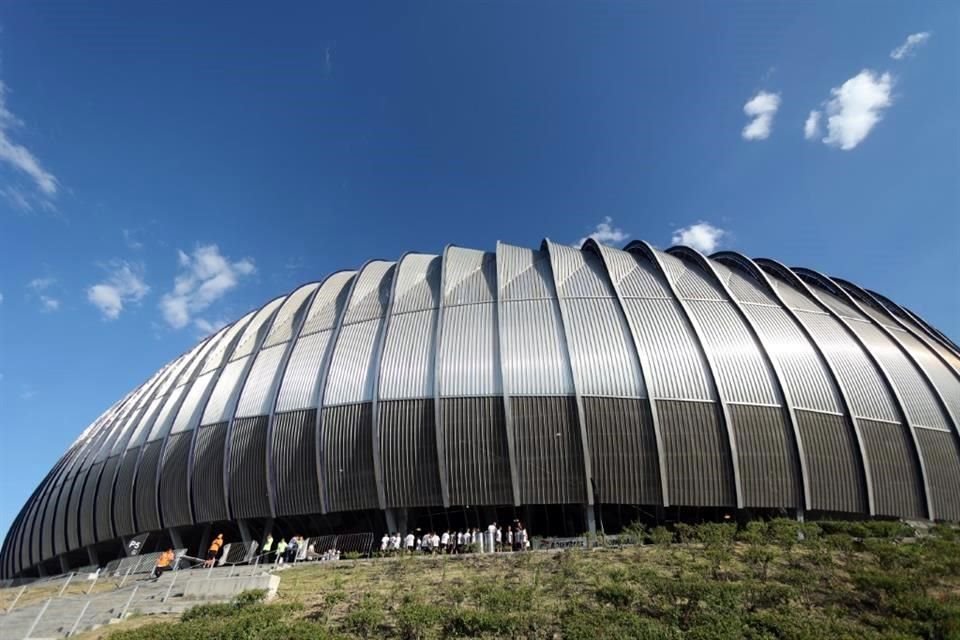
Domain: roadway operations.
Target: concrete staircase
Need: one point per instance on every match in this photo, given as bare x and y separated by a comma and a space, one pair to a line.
61, 615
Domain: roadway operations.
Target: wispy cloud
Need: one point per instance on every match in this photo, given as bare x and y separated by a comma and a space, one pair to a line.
24, 162
856, 107
811, 128
130, 239
27, 392
205, 277
1, 298
207, 327
605, 233
761, 107
913, 41
702, 236
124, 285
40, 289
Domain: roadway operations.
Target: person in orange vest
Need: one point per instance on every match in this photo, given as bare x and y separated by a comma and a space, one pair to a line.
163, 563
214, 550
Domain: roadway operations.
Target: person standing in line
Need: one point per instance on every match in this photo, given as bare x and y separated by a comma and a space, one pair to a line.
498, 535
445, 542
213, 550
384, 544
396, 541
292, 549
267, 549
281, 550
408, 542
510, 537
435, 540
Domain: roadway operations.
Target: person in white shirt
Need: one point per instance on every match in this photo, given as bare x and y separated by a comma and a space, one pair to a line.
499, 539
395, 542
384, 543
435, 543
445, 542
409, 541
459, 547
510, 538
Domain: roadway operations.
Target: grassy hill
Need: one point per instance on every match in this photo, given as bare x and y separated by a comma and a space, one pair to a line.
768, 580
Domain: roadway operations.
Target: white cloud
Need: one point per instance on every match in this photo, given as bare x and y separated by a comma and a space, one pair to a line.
811, 128
49, 304
27, 393
702, 236
20, 159
41, 284
1, 298
129, 238
205, 276
605, 233
913, 41
124, 284
857, 105
761, 107
207, 327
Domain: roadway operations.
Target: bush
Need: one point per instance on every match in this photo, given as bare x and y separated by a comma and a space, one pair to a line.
366, 619
471, 623
584, 623
661, 536
249, 597
416, 620
616, 594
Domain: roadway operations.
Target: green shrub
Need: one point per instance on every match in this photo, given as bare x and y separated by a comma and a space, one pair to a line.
416, 620
365, 619
584, 623
352, 555
634, 533
661, 536
206, 611
249, 597
616, 594
471, 623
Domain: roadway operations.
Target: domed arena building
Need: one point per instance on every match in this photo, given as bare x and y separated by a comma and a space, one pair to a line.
575, 389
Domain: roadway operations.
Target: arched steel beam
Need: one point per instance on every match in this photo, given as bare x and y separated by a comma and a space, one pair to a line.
304, 311
827, 284
241, 383
546, 245
740, 261
437, 413
594, 247
651, 254
764, 348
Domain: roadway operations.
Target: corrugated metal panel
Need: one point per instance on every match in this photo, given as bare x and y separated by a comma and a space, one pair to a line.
804, 373
579, 274
897, 486
634, 275
601, 350
351, 375
207, 481
868, 394
743, 286
475, 445
918, 401
145, 422
407, 364
943, 471
220, 405
174, 497
298, 390
769, 468
794, 298
258, 393
371, 293
548, 450
468, 353
696, 453
249, 496
218, 356
87, 504
946, 382
254, 332
145, 495
348, 457
689, 280
161, 427
418, 283
189, 414
409, 453
190, 372
469, 276
122, 498
534, 354
104, 516
284, 324
678, 369
523, 274
623, 451
833, 465
295, 462
328, 303
837, 304
742, 372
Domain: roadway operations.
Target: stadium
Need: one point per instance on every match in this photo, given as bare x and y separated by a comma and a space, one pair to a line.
577, 389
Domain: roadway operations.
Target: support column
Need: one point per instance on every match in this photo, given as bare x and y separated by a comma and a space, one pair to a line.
64, 566
175, 538
92, 556
591, 519
244, 532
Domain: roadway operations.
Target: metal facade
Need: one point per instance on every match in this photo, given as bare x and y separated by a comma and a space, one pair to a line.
524, 377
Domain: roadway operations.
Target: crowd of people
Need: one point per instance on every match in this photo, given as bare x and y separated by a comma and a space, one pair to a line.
292, 550
494, 538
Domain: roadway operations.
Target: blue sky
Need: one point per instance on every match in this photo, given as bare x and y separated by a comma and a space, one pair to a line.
167, 166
